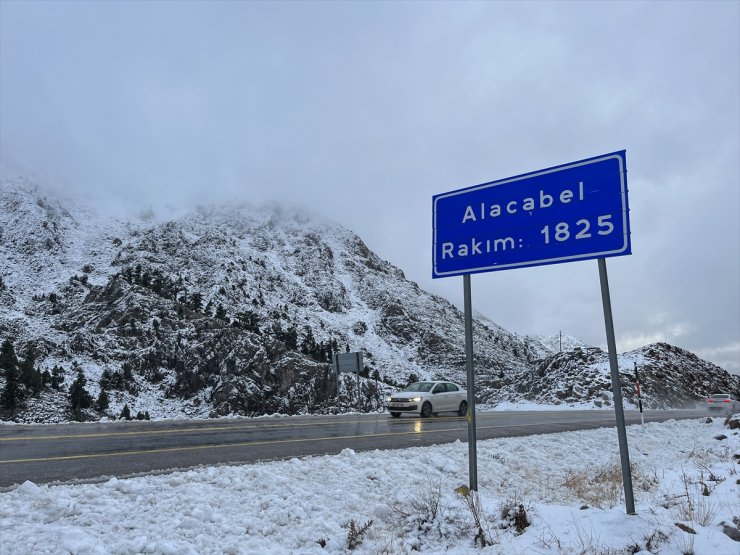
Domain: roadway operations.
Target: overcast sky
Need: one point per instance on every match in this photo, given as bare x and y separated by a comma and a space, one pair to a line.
364, 110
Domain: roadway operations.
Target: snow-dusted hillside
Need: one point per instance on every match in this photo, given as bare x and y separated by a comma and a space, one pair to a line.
670, 377
237, 310
560, 342
229, 310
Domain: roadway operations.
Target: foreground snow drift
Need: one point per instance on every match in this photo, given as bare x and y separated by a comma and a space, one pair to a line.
561, 490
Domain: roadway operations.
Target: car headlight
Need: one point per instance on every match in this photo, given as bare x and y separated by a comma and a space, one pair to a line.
387, 399
415, 399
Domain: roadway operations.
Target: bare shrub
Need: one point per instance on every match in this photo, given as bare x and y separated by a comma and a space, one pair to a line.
355, 533
498, 457
711, 476
513, 513
471, 500
422, 510
693, 506
599, 487
428, 504
602, 486
654, 540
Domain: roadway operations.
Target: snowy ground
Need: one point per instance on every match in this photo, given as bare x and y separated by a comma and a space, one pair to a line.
567, 483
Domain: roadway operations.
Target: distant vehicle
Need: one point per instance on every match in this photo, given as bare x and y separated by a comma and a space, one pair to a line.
723, 402
427, 398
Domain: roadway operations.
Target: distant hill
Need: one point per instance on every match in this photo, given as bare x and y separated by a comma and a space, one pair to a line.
238, 309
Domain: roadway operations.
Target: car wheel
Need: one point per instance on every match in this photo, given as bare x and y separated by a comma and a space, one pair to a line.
395, 414
463, 410
426, 410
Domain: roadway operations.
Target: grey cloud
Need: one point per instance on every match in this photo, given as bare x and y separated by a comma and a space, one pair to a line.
363, 111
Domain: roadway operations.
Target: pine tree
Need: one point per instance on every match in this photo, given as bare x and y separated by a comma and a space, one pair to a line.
196, 301
127, 374
11, 397
320, 352
79, 397
57, 377
125, 413
105, 379
291, 338
8, 358
29, 376
103, 402
308, 345
247, 320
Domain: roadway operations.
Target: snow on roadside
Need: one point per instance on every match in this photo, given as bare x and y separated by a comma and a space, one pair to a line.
306, 505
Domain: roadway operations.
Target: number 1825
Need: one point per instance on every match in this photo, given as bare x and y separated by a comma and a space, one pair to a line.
562, 232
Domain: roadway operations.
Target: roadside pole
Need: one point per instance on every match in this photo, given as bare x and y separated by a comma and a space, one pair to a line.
616, 388
472, 451
639, 398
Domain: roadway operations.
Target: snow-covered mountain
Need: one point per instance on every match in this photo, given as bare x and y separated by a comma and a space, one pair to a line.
237, 310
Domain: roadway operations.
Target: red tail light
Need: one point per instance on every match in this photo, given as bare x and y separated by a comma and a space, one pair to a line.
710, 401
726, 401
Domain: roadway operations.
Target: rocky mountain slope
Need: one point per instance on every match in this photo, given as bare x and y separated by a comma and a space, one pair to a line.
239, 309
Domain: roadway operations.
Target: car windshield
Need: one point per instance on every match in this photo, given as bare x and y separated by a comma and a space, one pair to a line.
420, 386
720, 396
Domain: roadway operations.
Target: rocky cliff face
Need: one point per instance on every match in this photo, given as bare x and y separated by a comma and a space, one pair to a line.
670, 377
237, 310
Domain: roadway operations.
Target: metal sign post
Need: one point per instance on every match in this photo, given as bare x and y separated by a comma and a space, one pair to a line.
576, 211
616, 388
472, 454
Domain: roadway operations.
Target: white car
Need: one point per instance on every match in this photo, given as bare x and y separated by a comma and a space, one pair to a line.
723, 402
427, 398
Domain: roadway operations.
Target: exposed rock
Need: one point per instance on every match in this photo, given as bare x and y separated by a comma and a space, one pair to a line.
685, 528
733, 421
731, 531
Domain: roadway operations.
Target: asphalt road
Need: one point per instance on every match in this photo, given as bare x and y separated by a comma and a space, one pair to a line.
93, 452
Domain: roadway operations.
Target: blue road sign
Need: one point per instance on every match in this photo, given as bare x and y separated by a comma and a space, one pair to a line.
576, 211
